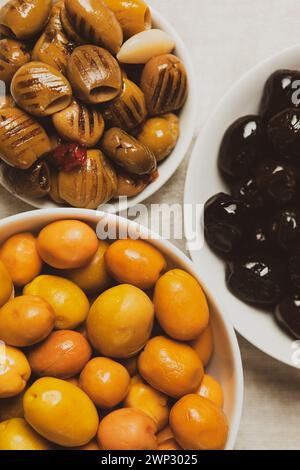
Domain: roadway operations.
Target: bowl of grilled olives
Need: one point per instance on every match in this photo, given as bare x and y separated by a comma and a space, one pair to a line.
116, 332
99, 102
250, 191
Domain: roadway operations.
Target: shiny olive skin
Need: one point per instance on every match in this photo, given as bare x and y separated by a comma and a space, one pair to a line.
287, 314
24, 21
225, 219
157, 75
34, 182
294, 266
95, 74
241, 148
258, 236
279, 93
285, 228
127, 152
129, 186
13, 54
259, 279
247, 191
6, 101
160, 135
277, 182
284, 132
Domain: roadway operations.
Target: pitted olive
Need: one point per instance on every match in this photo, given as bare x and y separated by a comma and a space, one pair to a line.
160, 134
129, 109
165, 84
40, 89
24, 19
34, 182
91, 185
13, 54
129, 186
22, 139
95, 22
134, 16
127, 152
95, 74
78, 123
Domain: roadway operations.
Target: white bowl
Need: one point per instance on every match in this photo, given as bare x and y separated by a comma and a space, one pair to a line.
225, 365
187, 126
203, 181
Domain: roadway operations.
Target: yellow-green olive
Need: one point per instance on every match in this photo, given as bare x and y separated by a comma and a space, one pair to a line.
13, 54
91, 185
95, 74
129, 109
54, 47
54, 190
129, 186
133, 15
165, 84
127, 152
160, 134
22, 139
68, 28
95, 22
34, 182
24, 19
78, 123
40, 89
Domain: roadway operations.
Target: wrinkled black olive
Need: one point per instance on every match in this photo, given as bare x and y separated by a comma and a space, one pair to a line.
258, 238
248, 192
294, 266
224, 222
287, 313
285, 228
280, 93
258, 279
284, 132
277, 182
242, 148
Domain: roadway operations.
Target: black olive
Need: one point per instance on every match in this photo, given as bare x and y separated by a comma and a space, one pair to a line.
242, 148
258, 278
280, 93
248, 192
277, 182
258, 238
284, 132
287, 313
224, 222
285, 228
294, 266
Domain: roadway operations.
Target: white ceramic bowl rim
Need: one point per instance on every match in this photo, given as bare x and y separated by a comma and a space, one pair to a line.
171, 251
188, 122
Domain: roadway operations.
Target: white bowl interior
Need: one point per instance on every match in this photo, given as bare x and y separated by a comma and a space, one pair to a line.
203, 181
225, 365
187, 126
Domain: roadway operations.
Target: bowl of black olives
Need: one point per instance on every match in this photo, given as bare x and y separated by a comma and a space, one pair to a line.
99, 102
245, 175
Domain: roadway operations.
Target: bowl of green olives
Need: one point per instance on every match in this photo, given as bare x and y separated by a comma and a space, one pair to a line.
250, 195
99, 104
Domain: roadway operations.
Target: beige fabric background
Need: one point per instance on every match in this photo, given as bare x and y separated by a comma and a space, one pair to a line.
226, 38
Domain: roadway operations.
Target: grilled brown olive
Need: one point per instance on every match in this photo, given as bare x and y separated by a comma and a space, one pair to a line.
91, 185
22, 139
40, 89
34, 182
127, 152
95, 22
129, 186
7, 101
23, 19
160, 134
129, 109
54, 191
134, 16
165, 84
79, 124
54, 47
68, 28
95, 74
13, 54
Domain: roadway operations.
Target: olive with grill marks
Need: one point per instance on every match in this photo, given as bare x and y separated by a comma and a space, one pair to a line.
94, 74
13, 54
40, 89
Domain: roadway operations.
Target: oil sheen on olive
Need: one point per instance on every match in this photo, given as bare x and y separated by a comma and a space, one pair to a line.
241, 148
287, 313
225, 219
285, 228
248, 192
277, 181
34, 182
284, 132
259, 278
